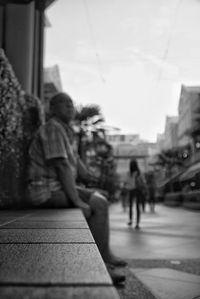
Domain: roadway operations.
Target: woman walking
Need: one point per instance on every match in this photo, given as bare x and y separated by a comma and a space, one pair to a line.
134, 184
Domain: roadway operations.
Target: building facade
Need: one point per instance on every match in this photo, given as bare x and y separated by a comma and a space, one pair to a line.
160, 142
117, 139
189, 105
171, 132
22, 25
128, 146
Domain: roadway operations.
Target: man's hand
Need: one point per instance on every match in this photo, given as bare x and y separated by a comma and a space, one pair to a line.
85, 208
68, 183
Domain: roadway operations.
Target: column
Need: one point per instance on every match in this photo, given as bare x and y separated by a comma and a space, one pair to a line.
38, 54
19, 41
2, 21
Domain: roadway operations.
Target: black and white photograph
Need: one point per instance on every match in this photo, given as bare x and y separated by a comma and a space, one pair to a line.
99, 149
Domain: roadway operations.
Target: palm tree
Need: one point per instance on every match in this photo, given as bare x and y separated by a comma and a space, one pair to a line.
87, 119
91, 132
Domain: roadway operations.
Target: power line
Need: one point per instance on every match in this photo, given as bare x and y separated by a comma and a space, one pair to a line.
99, 66
166, 51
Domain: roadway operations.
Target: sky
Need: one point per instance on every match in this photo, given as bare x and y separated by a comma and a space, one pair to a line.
130, 57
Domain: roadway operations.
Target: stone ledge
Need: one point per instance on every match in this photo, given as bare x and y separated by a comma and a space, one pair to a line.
50, 253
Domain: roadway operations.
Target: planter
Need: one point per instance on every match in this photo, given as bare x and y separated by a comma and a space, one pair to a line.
191, 200
174, 199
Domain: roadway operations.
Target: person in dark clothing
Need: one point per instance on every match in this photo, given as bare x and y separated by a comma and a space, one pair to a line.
124, 196
151, 190
135, 185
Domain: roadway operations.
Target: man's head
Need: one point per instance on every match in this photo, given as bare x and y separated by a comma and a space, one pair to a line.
61, 106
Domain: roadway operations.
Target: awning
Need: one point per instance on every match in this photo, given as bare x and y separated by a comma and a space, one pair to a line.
172, 179
190, 172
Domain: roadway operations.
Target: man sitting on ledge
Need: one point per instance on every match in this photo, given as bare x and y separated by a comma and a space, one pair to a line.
52, 171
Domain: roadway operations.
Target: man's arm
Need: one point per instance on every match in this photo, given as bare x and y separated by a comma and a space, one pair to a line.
68, 183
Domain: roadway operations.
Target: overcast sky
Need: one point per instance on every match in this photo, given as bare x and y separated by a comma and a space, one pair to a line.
128, 56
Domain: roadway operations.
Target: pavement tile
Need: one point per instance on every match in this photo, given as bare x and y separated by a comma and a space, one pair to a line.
165, 283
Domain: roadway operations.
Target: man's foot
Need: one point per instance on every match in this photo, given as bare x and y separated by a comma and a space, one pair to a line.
137, 226
117, 278
115, 261
129, 223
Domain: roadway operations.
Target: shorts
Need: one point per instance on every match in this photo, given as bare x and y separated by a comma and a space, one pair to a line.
59, 200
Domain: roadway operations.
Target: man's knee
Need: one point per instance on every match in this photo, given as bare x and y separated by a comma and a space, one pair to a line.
98, 202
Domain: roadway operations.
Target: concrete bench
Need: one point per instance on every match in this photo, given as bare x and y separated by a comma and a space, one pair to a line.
50, 254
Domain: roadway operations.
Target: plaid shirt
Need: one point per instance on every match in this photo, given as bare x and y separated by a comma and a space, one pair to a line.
50, 142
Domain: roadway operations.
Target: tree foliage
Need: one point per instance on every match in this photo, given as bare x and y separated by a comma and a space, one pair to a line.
84, 113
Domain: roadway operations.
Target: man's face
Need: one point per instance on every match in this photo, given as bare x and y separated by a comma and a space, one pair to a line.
65, 110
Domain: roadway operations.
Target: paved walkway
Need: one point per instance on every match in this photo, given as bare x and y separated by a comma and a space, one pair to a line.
169, 233
169, 238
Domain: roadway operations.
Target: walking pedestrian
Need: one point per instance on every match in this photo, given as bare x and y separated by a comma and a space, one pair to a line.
135, 185
124, 196
150, 178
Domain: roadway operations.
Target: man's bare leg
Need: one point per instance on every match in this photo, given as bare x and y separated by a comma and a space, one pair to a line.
99, 226
99, 223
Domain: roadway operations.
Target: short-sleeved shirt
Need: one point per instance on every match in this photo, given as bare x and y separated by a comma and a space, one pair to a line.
50, 142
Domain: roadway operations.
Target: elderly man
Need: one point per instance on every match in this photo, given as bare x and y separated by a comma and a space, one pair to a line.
53, 168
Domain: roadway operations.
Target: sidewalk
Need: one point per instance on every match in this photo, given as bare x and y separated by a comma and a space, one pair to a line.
163, 256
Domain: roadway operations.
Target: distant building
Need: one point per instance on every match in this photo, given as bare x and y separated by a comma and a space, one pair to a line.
189, 106
52, 84
126, 147
171, 132
129, 150
116, 139
52, 75
160, 142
